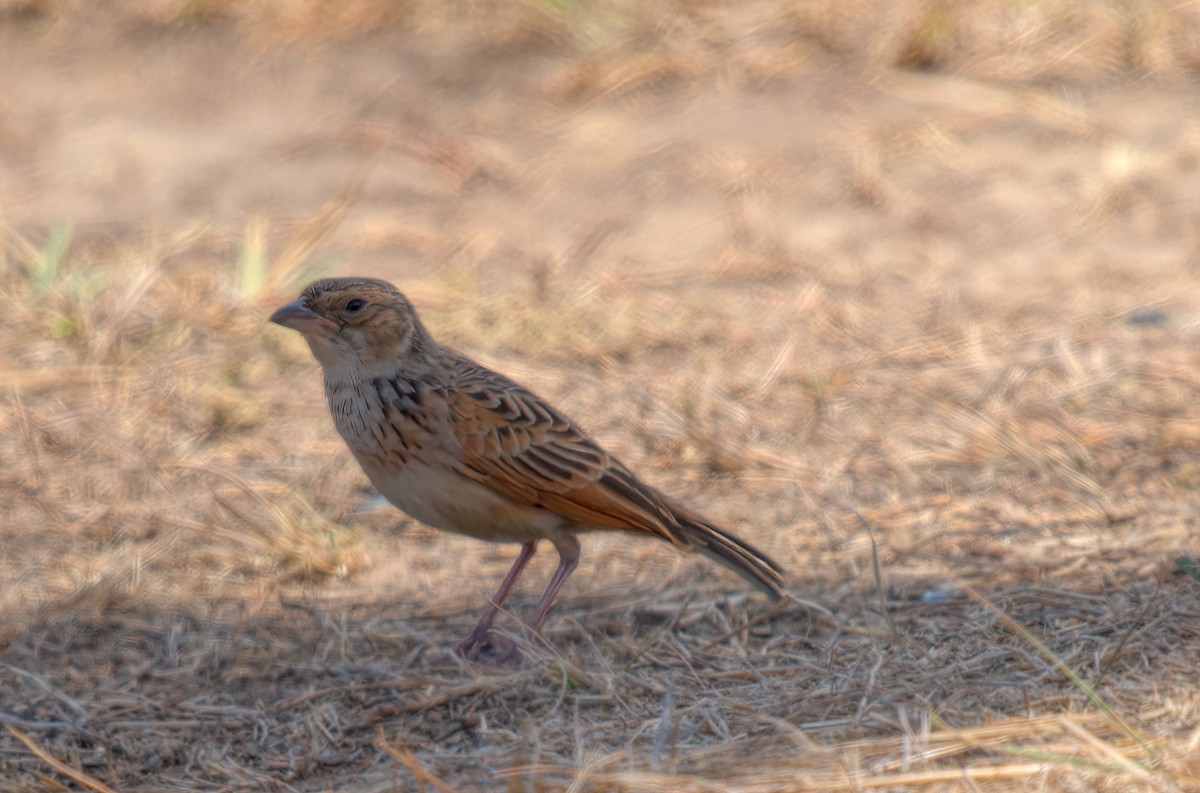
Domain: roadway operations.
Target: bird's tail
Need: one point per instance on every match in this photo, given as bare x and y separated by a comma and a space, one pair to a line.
648, 510
743, 558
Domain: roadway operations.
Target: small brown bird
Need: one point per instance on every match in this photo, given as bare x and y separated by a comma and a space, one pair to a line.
462, 448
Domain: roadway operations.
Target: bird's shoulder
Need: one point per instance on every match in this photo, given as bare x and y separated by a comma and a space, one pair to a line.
498, 421
515, 442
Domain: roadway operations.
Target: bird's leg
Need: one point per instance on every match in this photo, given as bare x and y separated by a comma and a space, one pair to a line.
479, 635
568, 558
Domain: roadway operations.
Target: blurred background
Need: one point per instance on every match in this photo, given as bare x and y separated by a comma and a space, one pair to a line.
906, 293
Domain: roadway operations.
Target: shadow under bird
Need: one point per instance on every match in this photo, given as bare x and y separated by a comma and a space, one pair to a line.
465, 449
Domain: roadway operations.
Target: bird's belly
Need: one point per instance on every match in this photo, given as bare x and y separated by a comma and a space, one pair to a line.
409, 462
445, 500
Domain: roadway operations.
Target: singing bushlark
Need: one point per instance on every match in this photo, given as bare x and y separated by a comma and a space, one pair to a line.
465, 449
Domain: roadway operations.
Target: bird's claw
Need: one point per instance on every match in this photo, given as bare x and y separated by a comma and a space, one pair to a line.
488, 650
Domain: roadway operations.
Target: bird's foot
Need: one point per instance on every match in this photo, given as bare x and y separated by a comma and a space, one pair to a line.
480, 647
488, 650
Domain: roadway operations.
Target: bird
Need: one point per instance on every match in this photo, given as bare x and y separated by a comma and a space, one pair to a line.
462, 448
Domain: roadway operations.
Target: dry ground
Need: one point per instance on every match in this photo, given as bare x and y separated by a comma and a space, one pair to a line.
909, 295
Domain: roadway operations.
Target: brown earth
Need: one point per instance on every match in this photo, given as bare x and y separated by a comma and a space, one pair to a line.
930, 336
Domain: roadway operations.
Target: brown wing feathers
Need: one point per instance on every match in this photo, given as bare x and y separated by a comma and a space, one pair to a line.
517, 444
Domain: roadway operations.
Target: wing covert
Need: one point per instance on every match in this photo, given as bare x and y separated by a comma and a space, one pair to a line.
515, 443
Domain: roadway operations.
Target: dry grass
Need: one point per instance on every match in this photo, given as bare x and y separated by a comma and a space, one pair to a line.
624, 45
933, 342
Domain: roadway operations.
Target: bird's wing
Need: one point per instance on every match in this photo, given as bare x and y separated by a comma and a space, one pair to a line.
514, 442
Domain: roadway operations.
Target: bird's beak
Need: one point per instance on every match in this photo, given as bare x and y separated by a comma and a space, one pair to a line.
297, 316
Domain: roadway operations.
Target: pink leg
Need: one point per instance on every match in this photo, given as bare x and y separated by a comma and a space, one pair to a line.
566, 564
469, 647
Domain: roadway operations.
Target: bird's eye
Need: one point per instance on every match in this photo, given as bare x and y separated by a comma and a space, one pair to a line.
356, 304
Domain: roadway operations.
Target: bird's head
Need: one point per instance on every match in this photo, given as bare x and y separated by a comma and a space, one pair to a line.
352, 322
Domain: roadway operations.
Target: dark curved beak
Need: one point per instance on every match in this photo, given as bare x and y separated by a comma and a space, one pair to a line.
297, 316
